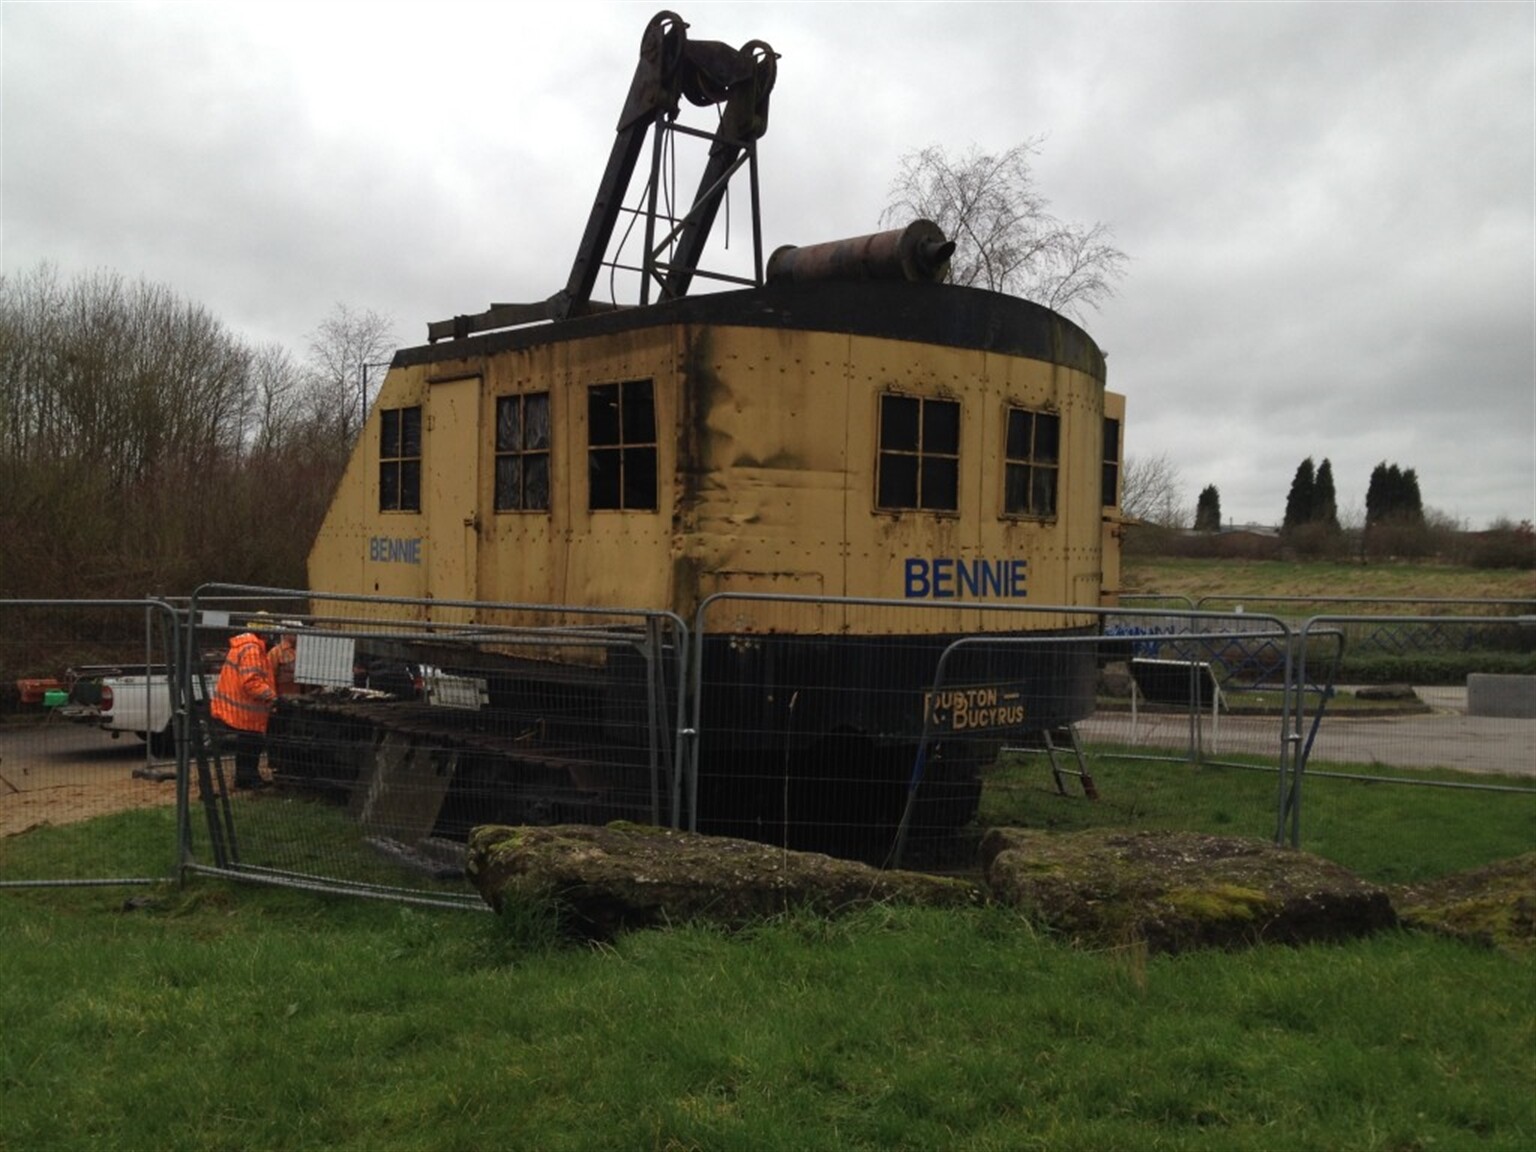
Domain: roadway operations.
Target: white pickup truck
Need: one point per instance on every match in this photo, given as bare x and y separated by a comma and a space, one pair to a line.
121, 699
137, 699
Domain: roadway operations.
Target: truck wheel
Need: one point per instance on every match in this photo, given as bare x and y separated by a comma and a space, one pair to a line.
163, 744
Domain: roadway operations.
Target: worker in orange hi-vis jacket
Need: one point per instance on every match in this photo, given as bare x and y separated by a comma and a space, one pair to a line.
243, 700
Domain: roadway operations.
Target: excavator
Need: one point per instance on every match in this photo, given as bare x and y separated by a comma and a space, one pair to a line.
778, 464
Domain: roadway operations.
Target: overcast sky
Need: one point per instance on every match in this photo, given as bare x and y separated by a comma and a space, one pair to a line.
1328, 208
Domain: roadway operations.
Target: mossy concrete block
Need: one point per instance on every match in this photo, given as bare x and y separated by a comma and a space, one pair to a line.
1494, 905
607, 879
1162, 891
1173, 891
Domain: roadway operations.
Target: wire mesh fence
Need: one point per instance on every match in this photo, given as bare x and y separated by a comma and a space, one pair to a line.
1189, 730
896, 732
810, 717
408, 723
1459, 719
887, 731
89, 733
1417, 640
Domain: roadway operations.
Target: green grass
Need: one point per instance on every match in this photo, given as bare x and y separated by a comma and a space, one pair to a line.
1392, 833
262, 1019
291, 831
1255, 578
239, 1017
285, 833
138, 844
1270, 702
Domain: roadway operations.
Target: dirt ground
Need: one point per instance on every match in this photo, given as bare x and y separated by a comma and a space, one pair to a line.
63, 776
22, 811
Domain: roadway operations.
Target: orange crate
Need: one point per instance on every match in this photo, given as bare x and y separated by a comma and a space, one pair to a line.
36, 691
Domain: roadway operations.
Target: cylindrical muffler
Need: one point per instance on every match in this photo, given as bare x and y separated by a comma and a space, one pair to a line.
917, 252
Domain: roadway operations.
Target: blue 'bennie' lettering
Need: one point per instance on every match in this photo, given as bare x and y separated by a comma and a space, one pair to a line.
948, 578
943, 579
394, 549
917, 578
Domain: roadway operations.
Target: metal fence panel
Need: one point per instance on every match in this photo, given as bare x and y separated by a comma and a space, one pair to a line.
75, 672
1402, 628
886, 737
1176, 737
412, 722
1424, 731
880, 730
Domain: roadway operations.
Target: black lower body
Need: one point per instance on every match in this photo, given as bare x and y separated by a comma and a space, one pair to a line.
247, 748
832, 744
816, 743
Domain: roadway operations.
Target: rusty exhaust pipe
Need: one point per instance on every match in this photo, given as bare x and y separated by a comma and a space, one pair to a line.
917, 252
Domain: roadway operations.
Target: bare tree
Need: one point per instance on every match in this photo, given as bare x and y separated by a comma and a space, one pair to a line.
119, 405
343, 349
1152, 490
119, 376
144, 447
276, 401
1005, 236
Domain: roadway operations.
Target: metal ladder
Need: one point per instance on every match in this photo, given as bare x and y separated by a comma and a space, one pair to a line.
1056, 743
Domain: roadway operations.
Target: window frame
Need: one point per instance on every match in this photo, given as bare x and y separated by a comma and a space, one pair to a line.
1109, 476
629, 464
1037, 470
400, 468
931, 455
523, 453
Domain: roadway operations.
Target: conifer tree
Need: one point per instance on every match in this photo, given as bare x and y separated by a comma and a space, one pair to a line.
1298, 504
1393, 496
1208, 510
1325, 503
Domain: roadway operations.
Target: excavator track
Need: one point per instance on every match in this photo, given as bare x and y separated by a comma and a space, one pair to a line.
423, 771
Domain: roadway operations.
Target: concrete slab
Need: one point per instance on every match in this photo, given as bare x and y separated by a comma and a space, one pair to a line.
1508, 696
